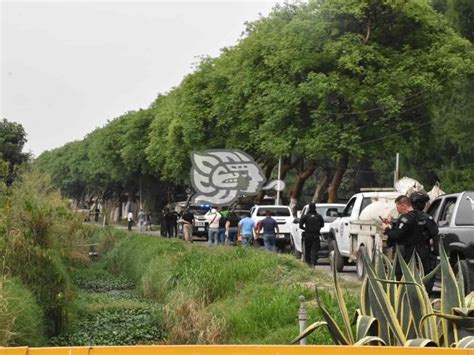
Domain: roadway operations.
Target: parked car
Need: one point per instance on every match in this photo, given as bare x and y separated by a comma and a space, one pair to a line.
284, 218
329, 211
454, 214
241, 213
200, 224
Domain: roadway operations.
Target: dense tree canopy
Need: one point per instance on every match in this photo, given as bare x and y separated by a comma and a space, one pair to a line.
328, 85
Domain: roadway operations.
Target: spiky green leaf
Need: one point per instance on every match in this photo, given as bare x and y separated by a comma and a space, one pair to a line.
421, 343
308, 331
370, 340
381, 299
450, 296
466, 343
343, 308
366, 326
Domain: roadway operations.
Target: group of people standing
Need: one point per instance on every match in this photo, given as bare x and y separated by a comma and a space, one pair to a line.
169, 223
222, 226
229, 229
144, 221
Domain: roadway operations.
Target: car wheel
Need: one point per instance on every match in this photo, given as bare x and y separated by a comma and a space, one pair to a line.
295, 252
360, 267
336, 259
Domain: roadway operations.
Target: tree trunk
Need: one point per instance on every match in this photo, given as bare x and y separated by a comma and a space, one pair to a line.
337, 178
318, 192
285, 167
299, 183
268, 173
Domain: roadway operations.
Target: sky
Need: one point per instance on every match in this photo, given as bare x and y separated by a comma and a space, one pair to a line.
67, 67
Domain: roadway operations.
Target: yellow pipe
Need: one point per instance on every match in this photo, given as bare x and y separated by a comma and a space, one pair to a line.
234, 350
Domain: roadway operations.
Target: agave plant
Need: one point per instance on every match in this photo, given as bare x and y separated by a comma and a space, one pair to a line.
400, 313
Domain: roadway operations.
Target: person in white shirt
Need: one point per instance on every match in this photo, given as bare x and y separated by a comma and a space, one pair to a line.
130, 220
212, 218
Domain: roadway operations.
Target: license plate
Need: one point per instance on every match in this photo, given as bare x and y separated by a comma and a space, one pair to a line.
281, 236
201, 229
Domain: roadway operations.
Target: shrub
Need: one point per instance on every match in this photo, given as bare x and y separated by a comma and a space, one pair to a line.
21, 318
399, 312
42, 271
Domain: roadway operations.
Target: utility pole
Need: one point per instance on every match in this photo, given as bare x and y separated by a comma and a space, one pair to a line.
141, 206
278, 187
396, 173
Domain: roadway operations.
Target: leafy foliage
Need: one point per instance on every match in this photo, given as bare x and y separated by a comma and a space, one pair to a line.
115, 327
313, 82
12, 140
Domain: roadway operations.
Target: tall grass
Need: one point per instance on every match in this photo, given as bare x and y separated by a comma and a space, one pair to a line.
223, 294
21, 317
38, 236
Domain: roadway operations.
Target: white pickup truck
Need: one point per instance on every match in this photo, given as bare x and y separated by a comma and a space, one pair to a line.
358, 228
284, 218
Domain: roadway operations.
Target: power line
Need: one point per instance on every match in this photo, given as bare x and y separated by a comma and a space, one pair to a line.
421, 92
411, 170
396, 133
387, 118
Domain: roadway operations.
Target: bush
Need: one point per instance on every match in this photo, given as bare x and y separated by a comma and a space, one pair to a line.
40, 233
21, 317
43, 272
39, 213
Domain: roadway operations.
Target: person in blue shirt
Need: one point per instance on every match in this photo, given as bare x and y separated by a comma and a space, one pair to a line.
270, 231
245, 231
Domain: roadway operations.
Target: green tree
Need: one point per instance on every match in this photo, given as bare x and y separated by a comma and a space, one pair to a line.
12, 141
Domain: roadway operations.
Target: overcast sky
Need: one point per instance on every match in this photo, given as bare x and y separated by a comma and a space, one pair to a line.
69, 66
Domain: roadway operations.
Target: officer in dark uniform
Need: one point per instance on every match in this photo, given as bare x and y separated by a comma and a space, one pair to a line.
410, 233
170, 219
311, 223
419, 201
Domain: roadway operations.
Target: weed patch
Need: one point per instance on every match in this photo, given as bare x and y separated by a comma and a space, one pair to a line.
115, 327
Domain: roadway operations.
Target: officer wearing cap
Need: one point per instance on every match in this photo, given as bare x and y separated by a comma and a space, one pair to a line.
419, 201
409, 234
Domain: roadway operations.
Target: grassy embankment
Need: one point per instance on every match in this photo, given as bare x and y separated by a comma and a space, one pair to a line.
177, 293
224, 294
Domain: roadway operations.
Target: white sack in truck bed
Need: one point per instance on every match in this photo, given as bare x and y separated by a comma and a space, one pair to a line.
382, 208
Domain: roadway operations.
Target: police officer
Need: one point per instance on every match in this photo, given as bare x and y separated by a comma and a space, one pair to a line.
410, 233
419, 201
311, 223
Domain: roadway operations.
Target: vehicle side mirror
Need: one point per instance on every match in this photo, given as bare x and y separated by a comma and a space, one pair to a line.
443, 223
296, 220
339, 214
